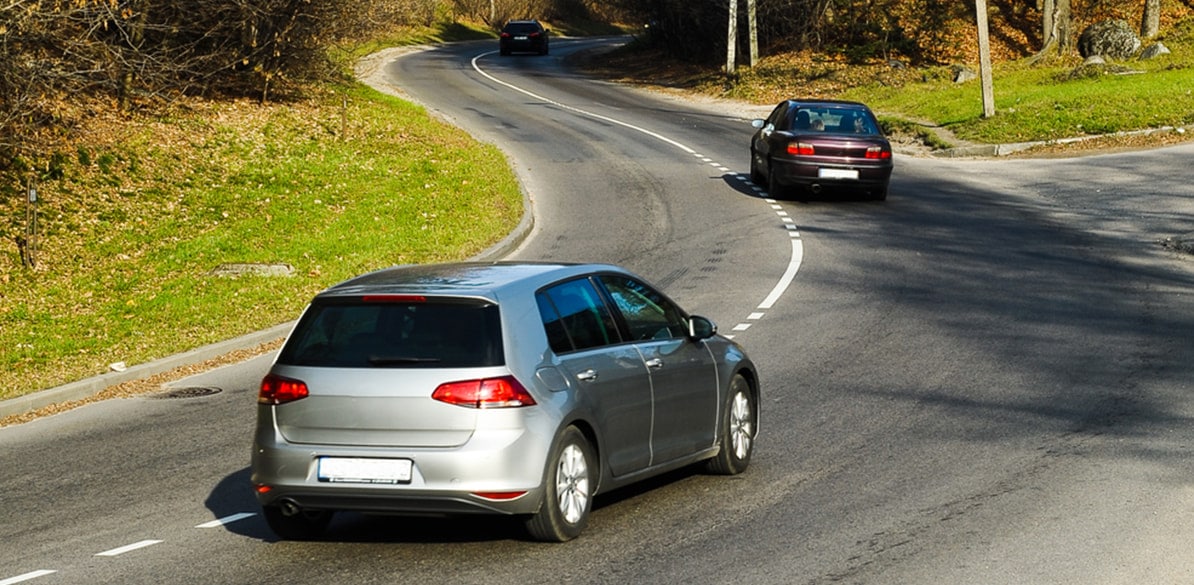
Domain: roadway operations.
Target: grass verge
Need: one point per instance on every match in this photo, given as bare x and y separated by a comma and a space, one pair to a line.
346, 182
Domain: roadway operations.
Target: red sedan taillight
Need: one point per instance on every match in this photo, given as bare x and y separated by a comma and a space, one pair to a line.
801, 148
504, 392
877, 152
278, 390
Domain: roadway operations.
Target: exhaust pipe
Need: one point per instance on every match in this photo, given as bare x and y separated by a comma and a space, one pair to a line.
815, 188
290, 508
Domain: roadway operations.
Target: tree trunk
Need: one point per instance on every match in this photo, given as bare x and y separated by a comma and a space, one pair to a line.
1150, 23
1056, 29
1048, 31
1064, 26
136, 36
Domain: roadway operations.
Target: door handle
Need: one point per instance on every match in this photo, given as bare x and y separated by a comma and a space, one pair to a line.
654, 363
589, 375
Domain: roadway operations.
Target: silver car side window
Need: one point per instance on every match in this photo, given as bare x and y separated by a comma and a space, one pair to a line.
648, 314
575, 317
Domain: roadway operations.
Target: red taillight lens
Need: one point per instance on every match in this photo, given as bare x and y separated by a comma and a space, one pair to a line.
505, 35
801, 148
278, 390
504, 392
877, 152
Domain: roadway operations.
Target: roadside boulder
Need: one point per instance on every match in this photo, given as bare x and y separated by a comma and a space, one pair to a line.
1109, 38
1154, 50
962, 74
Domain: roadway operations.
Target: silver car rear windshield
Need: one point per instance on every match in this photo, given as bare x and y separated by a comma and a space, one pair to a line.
396, 332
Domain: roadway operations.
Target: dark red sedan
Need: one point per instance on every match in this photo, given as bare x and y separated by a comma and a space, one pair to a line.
821, 144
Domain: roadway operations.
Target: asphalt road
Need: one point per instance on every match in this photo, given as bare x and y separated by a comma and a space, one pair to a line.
987, 378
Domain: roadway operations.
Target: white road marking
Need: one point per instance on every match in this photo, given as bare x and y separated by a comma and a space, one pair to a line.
797, 246
26, 577
127, 548
226, 520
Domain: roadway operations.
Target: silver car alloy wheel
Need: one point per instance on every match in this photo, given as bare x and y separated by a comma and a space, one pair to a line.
572, 484
741, 425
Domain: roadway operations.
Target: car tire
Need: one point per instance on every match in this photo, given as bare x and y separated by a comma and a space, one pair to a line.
756, 176
303, 525
774, 189
739, 426
568, 490
880, 194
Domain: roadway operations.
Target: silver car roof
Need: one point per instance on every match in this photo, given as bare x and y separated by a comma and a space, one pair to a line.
472, 279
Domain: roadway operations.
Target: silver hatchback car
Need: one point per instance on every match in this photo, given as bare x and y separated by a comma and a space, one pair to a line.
519, 389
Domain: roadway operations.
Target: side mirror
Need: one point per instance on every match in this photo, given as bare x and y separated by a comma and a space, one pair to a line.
758, 123
701, 328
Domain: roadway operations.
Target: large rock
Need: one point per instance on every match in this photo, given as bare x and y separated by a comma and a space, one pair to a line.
962, 74
1109, 38
1154, 50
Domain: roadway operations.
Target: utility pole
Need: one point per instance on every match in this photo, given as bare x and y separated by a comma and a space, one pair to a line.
984, 58
732, 38
753, 23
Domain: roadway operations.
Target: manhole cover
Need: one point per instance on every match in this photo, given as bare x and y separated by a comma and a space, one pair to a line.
190, 392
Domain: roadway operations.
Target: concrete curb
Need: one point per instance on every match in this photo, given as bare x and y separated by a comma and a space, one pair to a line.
997, 150
89, 387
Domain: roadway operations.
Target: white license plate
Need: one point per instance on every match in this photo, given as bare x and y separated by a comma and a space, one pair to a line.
363, 470
837, 173
521, 38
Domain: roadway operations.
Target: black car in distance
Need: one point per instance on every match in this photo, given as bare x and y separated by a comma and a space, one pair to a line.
523, 36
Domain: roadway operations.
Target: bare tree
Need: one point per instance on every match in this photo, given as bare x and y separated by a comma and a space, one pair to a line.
1150, 21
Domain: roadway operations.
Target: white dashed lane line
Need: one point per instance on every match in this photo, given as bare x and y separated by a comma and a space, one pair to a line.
128, 548
226, 520
26, 577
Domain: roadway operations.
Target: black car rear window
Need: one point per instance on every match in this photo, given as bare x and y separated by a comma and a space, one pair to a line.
522, 28
396, 334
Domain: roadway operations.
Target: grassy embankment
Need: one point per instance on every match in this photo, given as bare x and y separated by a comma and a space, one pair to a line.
146, 208
342, 183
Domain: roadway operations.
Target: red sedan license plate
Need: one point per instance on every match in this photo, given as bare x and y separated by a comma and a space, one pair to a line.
838, 173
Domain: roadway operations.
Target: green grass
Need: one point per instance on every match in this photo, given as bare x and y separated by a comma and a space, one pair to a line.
1034, 104
1055, 100
133, 229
